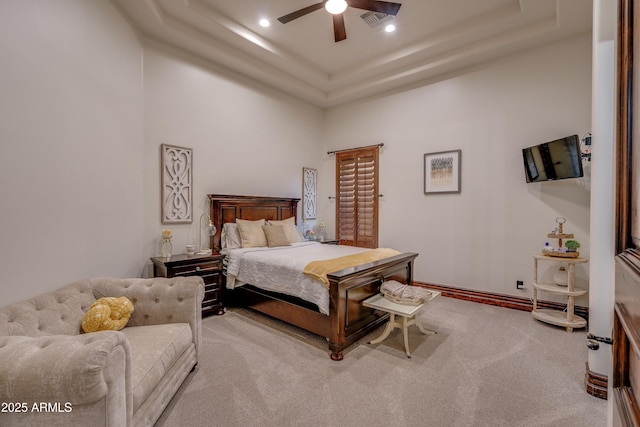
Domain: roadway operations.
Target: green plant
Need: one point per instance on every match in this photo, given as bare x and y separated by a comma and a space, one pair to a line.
572, 244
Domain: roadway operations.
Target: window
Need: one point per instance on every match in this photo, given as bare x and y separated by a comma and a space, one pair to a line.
357, 197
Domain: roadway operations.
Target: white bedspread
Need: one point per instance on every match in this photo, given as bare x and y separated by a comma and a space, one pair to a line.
280, 269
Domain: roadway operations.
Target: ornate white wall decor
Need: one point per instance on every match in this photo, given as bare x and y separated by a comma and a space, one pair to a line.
309, 195
177, 191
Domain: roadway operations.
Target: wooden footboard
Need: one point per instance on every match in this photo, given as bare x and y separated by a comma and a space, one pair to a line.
348, 320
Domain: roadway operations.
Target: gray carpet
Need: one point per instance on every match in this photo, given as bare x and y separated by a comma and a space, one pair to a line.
486, 366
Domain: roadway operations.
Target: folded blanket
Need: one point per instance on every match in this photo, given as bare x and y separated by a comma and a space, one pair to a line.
319, 269
404, 294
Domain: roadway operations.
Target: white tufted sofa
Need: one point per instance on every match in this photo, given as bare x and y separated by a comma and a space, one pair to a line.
52, 374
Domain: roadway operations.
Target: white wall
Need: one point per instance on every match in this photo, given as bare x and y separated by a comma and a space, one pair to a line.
603, 202
483, 238
72, 145
246, 139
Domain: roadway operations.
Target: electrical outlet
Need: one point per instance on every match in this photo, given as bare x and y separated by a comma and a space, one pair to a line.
519, 284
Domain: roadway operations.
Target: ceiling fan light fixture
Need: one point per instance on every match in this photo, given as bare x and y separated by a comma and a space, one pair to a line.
335, 7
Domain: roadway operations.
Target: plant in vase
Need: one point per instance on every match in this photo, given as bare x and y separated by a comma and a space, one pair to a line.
572, 245
321, 231
166, 247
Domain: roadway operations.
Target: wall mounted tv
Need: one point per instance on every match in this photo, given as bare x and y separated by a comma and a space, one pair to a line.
559, 159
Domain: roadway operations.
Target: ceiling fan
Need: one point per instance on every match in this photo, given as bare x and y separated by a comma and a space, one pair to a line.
337, 7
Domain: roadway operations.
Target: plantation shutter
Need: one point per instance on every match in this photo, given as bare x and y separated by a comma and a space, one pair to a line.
357, 197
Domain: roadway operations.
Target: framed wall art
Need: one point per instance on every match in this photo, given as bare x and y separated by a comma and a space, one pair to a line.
442, 172
177, 184
309, 193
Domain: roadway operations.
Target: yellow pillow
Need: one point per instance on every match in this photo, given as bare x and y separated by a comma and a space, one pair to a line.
107, 313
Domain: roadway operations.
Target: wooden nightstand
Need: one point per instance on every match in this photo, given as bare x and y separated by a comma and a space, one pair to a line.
209, 267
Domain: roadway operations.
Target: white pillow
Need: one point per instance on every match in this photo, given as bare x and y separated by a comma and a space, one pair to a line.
251, 233
290, 229
230, 238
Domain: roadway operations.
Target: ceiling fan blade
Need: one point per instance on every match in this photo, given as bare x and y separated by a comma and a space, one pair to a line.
339, 30
386, 7
298, 13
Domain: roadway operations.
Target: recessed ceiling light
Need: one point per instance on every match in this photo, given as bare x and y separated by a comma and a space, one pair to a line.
390, 28
265, 23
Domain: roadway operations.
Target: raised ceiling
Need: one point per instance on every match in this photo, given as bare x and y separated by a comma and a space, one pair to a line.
433, 39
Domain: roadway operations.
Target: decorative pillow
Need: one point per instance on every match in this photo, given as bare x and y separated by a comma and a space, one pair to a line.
290, 229
107, 313
275, 235
251, 233
230, 238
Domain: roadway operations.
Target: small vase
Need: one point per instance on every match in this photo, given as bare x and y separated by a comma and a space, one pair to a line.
166, 248
561, 276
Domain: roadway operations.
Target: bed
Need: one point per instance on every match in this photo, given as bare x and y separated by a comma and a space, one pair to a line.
347, 320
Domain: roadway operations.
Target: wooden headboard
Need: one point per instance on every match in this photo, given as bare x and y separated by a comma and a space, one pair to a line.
226, 208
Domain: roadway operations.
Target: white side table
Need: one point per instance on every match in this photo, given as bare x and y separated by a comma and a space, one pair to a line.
407, 312
569, 320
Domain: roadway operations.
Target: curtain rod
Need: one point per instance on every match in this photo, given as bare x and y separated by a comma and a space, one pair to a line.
359, 148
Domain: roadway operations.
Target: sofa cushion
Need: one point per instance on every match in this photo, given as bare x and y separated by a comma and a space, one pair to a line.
154, 350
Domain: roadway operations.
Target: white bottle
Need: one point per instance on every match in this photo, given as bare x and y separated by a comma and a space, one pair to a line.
546, 249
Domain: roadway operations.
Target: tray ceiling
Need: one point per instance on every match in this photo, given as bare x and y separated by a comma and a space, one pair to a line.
433, 39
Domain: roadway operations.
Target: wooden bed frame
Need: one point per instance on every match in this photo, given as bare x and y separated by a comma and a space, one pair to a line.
348, 319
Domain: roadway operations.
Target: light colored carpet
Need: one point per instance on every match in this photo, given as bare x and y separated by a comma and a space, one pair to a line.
486, 366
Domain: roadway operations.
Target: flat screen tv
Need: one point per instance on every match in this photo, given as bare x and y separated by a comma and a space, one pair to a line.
559, 159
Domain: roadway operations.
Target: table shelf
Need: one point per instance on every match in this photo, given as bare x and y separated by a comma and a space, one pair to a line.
559, 290
559, 318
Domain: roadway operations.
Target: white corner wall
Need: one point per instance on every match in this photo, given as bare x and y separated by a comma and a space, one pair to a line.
483, 238
72, 145
246, 139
